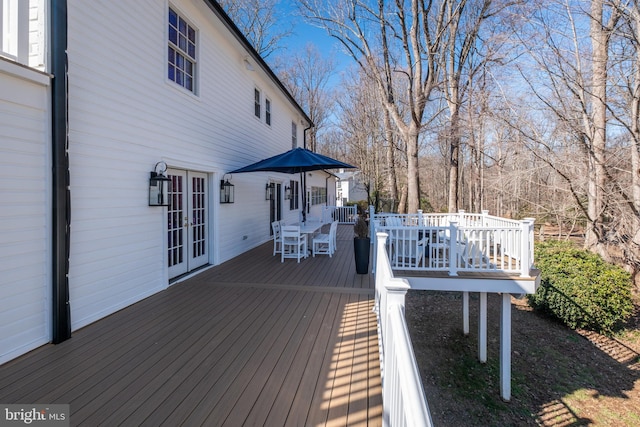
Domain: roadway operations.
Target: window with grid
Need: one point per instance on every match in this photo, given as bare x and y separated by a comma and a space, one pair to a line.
267, 111
318, 195
256, 102
182, 51
295, 193
294, 135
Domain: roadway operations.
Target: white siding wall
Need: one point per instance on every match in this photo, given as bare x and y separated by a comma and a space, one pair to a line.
25, 218
125, 116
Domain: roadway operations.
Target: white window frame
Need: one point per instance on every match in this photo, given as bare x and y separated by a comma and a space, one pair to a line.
14, 30
257, 103
179, 51
267, 111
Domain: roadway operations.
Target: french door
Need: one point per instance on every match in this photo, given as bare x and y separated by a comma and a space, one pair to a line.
275, 208
187, 221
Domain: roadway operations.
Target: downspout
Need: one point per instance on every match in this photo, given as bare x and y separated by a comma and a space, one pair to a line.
326, 191
61, 204
304, 175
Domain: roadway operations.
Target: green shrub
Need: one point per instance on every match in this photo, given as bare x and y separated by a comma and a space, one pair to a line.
580, 288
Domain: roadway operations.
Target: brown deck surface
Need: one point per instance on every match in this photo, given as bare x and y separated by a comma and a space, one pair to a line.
249, 342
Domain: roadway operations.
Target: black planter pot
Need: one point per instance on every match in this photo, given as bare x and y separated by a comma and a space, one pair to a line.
361, 248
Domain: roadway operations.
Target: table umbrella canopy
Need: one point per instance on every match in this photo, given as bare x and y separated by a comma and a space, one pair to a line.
294, 161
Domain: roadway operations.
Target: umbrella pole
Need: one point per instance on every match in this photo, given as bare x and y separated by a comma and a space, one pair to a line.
303, 183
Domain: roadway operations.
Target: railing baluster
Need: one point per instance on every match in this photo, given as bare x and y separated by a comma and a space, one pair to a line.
457, 242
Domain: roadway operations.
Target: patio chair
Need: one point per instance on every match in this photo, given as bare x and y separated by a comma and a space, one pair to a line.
327, 216
294, 243
325, 244
277, 242
472, 256
408, 248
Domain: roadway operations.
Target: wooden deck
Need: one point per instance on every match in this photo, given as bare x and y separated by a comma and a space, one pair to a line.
250, 342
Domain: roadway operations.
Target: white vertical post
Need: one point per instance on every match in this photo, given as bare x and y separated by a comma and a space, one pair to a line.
461, 218
372, 214
485, 218
380, 291
453, 248
465, 312
526, 245
482, 328
505, 348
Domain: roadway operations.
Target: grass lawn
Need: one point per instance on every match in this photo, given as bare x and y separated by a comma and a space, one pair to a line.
560, 377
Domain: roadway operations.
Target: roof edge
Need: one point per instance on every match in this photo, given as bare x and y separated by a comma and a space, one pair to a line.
231, 26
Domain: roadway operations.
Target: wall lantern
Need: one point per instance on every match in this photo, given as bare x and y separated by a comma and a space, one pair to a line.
270, 190
226, 191
159, 186
287, 193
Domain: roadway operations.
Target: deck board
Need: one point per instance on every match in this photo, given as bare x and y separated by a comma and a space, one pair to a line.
252, 341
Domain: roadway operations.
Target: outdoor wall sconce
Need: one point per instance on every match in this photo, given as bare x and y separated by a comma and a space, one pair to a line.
287, 193
226, 191
159, 186
270, 189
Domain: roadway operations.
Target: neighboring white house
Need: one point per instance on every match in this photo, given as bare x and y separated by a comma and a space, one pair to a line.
349, 187
147, 84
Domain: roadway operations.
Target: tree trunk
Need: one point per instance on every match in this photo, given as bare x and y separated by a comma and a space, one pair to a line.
596, 177
454, 159
413, 176
392, 186
402, 204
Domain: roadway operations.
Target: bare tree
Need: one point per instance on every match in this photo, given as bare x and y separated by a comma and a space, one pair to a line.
307, 75
260, 21
600, 32
398, 45
362, 128
465, 19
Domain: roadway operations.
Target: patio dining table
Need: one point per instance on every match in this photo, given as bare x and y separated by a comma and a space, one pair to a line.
310, 228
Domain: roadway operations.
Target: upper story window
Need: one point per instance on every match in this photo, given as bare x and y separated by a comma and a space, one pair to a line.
294, 135
256, 102
182, 51
267, 111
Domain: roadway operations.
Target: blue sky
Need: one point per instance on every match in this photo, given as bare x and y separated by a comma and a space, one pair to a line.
305, 33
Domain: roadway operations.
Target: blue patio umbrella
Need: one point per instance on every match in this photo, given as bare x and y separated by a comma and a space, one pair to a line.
294, 161
297, 160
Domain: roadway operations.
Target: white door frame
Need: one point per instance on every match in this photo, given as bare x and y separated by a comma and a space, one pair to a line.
188, 221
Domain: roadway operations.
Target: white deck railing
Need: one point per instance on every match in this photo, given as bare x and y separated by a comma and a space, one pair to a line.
342, 214
456, 243
403, 400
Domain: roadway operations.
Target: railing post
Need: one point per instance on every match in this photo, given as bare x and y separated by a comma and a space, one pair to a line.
372, 214
453, 248
381, 239
461, 218
526, 246
485, 218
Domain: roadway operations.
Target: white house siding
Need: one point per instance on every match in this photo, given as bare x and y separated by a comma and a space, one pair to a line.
125, 116
324, 180
25, 218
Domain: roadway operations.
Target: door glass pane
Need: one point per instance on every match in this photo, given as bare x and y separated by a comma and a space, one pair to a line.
174, 221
